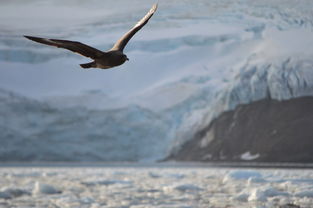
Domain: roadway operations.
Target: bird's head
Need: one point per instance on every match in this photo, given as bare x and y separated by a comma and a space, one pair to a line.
125, 58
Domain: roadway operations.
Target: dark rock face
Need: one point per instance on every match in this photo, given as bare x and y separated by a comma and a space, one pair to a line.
263, 131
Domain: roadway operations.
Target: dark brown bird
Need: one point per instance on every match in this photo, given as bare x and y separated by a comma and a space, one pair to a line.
103, 60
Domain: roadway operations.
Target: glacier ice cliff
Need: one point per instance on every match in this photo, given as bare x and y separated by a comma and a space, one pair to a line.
34, 131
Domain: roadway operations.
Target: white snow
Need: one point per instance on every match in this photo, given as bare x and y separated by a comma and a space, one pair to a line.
132, 186
249, 156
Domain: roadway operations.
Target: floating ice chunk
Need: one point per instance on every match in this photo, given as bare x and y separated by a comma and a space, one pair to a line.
256, 180
5, 195
154, 175
241, 175
245, 174
242, 196
249, 156
306, 193
187, 188
176, 176
270, 192
302, 180
289, 205
261, 194
107, 182
26, 175
87, 200
49, 174
119, 173
257, 195
285, 201
284, 185
41, 188
9, 193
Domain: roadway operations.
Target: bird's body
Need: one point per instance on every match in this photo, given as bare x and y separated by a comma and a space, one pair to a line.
103, 60
107, 60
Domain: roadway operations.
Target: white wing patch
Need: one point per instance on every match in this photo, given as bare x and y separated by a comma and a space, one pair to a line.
151, 11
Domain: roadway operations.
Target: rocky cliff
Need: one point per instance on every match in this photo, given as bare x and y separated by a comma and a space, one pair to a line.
263, 131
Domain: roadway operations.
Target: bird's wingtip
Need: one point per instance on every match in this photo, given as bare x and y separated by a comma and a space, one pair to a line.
154, 7
28, 37
36, 39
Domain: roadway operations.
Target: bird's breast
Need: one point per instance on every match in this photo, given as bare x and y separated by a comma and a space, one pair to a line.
109, 61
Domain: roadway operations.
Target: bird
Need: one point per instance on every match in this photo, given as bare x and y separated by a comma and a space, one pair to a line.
101, 59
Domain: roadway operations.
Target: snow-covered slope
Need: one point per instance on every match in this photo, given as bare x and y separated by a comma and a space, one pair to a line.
193, 61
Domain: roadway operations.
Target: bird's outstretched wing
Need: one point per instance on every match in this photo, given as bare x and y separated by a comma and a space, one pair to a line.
74, 46
121, 43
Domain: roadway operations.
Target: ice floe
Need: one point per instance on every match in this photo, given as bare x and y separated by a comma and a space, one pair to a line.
42, 188
134, 187
8, 193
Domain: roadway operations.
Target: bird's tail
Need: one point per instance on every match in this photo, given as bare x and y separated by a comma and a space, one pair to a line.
88, 65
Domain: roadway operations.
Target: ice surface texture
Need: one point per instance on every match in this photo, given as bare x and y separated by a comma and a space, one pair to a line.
117, 187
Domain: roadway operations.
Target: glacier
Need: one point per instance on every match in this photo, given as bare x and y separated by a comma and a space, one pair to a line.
34, 131
192, 62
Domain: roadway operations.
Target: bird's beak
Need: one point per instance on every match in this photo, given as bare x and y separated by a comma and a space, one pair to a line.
127, 59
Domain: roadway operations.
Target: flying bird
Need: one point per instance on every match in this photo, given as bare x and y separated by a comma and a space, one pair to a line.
103, 60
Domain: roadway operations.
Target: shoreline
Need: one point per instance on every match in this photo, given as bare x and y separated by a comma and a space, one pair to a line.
241, 165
